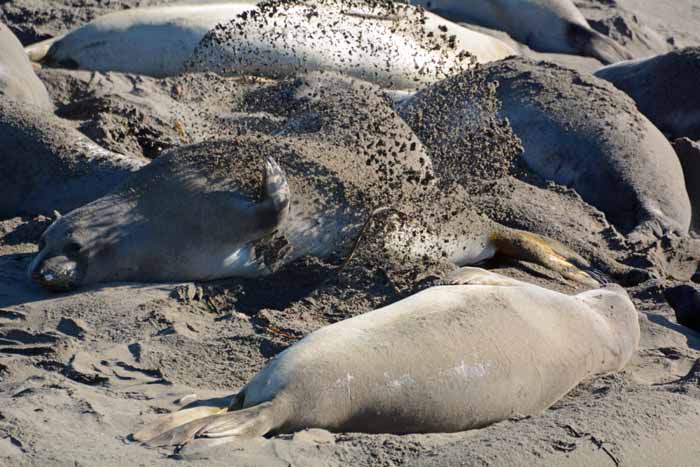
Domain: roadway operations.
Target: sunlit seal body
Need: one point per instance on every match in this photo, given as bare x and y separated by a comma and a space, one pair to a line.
17, 78
339, 154
544, 25
394, 45
153, 41
584, 133
665, 89
447, 359
47, 165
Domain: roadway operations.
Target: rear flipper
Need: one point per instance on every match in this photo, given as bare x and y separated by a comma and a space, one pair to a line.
551, 254
209, 426
594, 44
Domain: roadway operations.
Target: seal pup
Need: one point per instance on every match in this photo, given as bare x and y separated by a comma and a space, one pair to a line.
580, 132
543, 25
341, 154
665, 89
153, 41
449, 358
17, 78
48, 165
394, 45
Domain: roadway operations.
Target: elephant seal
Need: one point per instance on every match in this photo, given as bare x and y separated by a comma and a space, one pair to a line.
580, 132
665, 89
48, 165
394, 45
340, 157
17, 78
153, 41
449, 358
543, 25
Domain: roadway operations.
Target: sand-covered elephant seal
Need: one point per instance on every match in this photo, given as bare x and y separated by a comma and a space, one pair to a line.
449, 358
47, 165
581, 132
395, 45
543, 25
340, 157
153, 41
17, 78
665, 88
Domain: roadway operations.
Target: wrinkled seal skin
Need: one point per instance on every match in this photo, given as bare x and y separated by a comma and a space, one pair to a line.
544, 25
449, 358
48, 165
665, 89
584, 133
17, 78
152, 41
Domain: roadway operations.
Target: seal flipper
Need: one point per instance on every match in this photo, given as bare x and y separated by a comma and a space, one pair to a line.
594, 44
247, 423
531, 247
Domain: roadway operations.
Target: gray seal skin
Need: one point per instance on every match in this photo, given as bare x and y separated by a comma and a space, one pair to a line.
543, 25
154, 41
449, 358
202, 212
583, 133
665, 89
17, 78
48, 165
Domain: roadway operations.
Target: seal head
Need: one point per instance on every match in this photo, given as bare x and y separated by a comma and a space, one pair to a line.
167, 225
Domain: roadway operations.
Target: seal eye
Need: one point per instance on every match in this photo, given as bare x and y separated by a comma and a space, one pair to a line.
72, 248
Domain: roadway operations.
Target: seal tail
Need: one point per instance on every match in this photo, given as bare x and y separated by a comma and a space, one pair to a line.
39, 51
594, 44
204, 427
553, 255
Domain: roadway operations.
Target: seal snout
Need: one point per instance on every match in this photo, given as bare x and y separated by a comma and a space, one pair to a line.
58, 273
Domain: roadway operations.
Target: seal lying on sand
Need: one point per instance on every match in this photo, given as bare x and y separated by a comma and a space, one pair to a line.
580, 132
394, 45
17, 78
665, 89
152, 41
341, 155
47, 165
544, 25
375, 40
447, 359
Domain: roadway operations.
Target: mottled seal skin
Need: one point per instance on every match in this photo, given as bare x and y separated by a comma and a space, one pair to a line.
584, 133
153, 41
340, 155
394, 45
17, 78
544, 25
447, 359
665, 89
48, 165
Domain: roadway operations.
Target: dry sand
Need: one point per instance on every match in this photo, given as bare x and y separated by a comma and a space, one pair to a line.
80, 371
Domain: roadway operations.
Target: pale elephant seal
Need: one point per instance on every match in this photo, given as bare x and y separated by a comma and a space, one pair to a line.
446, 359
544, 25
341, 155
153, 41
394, 45
580, 132
17, 78
48, 165
665, 89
